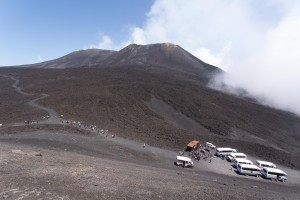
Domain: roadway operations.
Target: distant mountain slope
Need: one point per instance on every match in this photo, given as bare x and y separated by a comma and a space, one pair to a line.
166, 55
82, 58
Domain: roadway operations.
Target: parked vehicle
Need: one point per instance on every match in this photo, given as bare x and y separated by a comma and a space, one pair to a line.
210, 145
247, 169
261, 164
225, 151
231, 157
193, 145
272, 173
184, 162
242, 161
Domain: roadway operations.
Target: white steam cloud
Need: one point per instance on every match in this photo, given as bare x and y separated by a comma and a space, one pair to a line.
273, 71
40, 59
256, 42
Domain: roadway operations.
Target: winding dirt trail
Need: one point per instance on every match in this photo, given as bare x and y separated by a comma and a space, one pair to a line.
17, 88
54, 119
51, 112
53, 116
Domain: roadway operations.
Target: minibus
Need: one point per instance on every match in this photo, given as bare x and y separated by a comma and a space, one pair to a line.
231, 157
261, 164
224, 151
184, 162
276, 174
247, 169
242, 161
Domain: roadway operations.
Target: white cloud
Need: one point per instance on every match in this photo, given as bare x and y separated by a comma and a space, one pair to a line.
138, 36
256, 42
106, 43
273, 71
219, 59
202, 27
40, 59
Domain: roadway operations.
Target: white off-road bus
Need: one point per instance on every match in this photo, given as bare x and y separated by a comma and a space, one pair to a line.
231, 157
261, 164
225, 151
247, 169
238, 161
184, 162
276, 174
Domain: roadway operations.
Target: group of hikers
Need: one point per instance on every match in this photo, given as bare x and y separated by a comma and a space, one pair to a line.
201, 154
92, 128
80, 125
31, 122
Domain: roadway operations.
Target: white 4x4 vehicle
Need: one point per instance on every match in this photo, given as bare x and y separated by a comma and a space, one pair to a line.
184, 162
210, 145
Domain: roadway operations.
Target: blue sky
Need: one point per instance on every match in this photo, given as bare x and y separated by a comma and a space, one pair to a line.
50, 29
256, 42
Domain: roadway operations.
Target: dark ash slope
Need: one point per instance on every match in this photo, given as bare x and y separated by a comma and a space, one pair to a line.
115, 94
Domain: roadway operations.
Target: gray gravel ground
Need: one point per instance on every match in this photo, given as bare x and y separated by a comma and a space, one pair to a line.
61, 165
